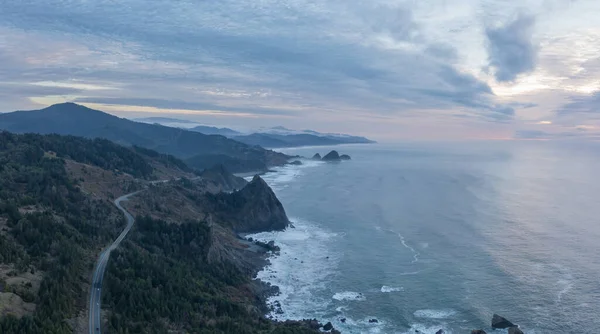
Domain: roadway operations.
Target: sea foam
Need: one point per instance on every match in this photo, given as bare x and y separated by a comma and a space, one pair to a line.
301, 270
434, 314
387, 289
349, 295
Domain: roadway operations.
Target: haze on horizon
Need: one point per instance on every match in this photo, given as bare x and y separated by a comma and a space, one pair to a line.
385, 69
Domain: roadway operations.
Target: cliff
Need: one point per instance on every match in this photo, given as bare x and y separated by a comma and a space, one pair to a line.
254, 208
223, 179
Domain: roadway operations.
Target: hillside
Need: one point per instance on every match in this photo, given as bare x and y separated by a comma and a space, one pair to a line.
184, 272
202, 151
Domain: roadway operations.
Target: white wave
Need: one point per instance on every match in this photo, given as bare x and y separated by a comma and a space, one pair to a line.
435, 314
424, 329
407, 246
349, 295
301, 270
566, 285
281, 176
386, 289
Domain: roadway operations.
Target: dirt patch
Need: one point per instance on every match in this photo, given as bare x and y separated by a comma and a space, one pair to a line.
101, 183
21, 279
30, 209
171, 202
13, 304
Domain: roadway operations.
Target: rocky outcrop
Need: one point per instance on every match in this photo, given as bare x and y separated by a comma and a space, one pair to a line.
328, 326
515, 330
296, 163
345, 157
254, 208
221, 177
478, 331
332, 156
501, 322
441, 331
317, 156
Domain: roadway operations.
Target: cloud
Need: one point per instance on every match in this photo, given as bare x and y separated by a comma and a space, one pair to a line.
180, 105
582, 104
510, 47
344, 57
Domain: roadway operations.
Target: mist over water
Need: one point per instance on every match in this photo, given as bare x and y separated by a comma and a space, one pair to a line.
441, 236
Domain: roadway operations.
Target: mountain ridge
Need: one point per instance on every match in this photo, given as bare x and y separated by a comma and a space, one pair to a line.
199, 150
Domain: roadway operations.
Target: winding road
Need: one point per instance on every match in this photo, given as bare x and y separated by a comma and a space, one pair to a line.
95, 320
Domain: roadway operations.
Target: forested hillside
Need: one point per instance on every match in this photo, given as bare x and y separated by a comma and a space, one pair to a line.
203, 151
50, 230
165, 277
162, 281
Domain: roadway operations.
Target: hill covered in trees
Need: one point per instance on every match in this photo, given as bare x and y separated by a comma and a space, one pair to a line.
202, 151
179, 276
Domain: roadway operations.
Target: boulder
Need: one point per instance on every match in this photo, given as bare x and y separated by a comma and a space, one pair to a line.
373, 321
316, 157
296, 163
478, 331
501, 322
345, 157
515, 330
343, 320
441, 331
332, 156
314, 324
328, 326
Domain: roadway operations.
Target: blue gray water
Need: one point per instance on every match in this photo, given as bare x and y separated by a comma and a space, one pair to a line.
441, 236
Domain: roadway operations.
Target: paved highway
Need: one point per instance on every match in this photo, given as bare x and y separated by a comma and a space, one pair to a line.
95, 320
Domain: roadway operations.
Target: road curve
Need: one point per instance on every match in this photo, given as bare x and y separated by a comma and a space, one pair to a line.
95, 319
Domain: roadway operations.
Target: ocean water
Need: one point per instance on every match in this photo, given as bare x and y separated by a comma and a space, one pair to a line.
429, 236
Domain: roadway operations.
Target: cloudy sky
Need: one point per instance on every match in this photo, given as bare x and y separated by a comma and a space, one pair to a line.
426, 69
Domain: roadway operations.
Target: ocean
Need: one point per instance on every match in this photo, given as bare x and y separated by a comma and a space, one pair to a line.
429, 236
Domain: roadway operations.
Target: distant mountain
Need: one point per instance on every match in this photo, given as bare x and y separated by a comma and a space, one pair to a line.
162, 120
279, 137
211, 130
199, 150
275, 137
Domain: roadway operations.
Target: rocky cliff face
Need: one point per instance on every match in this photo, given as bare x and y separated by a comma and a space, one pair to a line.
254, 208
222, 178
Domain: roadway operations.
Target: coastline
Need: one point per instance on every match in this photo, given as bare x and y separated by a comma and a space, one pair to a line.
285, 264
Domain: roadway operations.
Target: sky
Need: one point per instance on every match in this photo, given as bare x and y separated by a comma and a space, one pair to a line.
418, 69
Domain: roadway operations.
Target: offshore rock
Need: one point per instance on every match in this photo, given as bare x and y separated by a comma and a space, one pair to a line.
345, 157
501, 322
515, 330
332, 156
316, 157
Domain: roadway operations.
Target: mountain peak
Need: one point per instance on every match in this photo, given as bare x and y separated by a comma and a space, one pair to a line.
69, 107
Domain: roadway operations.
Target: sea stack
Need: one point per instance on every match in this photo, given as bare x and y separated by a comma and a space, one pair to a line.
316, 157
332, 156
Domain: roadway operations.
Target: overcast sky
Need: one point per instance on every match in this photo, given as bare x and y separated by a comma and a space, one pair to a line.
419, 69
